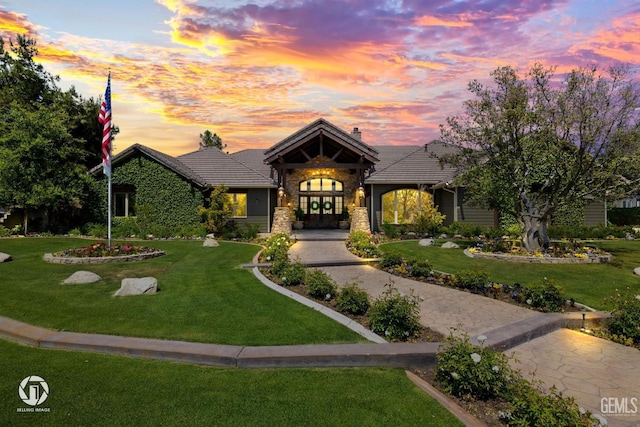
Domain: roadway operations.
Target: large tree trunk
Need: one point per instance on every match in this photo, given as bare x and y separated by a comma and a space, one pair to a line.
534, 235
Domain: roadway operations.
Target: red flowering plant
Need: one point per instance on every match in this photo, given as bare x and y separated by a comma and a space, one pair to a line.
101, 249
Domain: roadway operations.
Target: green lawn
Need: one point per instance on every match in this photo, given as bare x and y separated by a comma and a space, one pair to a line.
589, 284
100, 390
204, 296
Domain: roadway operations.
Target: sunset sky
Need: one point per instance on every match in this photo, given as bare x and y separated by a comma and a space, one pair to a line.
255, 71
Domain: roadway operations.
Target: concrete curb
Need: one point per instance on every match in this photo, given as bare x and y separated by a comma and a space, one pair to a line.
466, 418
402, 355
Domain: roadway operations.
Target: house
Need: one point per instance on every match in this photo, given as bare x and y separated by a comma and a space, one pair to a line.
320, 168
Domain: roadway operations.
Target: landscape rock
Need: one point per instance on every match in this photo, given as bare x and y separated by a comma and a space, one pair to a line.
427, 242
141, 286
210, 243
5, 257
636, 271
450, 245
80, 277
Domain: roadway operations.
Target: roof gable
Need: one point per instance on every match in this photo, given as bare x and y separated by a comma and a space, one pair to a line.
164, 159
302, 145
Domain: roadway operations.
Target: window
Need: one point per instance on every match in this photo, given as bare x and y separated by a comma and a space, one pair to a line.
404, 206
321, 184
124, 203
237, 203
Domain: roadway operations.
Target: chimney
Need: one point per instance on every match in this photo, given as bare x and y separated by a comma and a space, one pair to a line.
356, 134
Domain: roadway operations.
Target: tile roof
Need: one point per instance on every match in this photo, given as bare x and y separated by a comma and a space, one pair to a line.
411, 164
216, 167
253, 158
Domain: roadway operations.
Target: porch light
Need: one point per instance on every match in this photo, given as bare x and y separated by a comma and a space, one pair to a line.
280, 196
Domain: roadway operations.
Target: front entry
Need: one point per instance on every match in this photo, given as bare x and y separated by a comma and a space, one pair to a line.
321, 200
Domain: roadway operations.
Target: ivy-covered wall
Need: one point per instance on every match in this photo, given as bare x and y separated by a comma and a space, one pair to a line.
173, 201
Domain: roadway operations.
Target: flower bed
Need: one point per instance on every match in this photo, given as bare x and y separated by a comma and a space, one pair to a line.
540, 258
100, 253
560, 252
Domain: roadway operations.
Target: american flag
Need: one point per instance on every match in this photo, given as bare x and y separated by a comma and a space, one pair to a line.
105, 119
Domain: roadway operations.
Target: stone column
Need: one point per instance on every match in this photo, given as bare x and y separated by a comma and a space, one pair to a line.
360, 220
281, 221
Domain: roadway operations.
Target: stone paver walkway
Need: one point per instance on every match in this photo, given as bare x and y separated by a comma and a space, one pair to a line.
589, 369
598, 373
441, 308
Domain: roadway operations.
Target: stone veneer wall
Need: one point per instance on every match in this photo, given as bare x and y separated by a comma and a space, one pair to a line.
360, 220
349, 183
281, 221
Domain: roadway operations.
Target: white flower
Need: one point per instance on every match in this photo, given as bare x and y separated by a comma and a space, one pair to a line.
529, 301
476, 357
638, 297
269, 258
495, 368
481, 338
284, 279
454, 375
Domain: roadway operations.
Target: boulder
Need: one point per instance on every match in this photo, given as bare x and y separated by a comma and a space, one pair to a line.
80, 277
450, 245
141, 286
636, 271
427, 242
210, 243
5, 257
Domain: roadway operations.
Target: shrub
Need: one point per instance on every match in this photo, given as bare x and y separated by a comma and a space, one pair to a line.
547, 297
530, 405
96, 230
429, 221
189, 231
293, 274
360, 244
390, 260
420, 268
277, 244
72, 232
390, 230
230, 230
4, 231
352, 299
395, 315
625, 317
319, 284
474, 280
465, 369
250, 232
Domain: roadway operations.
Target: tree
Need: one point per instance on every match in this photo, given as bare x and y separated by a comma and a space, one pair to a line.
207, 139
43, 136
215, 215
39, 164
529, 145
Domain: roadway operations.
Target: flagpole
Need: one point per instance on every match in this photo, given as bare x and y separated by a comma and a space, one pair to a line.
109, 212
104, 117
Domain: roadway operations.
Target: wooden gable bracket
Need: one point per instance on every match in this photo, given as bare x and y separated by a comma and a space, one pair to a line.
335, 156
